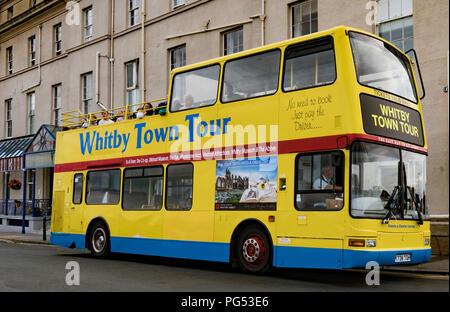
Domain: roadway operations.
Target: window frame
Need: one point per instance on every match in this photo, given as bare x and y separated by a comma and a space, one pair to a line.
56, 110
31, 113
291, 17
9, 60
171, 50
135, 87
32, 50
8, 118
194, 69
167, 185
143, 176
228, 32
86, 186
131, 10
88, 26
84, 87
73, 189
296, 191
57, 39
175, 6
248, 56
307, 43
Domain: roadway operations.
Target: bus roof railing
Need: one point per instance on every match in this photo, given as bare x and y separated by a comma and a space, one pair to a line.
76, 119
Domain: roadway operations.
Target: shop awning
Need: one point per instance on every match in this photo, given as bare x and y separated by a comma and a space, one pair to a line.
12, 151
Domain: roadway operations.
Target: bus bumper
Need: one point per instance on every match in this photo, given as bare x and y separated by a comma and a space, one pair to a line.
359, 258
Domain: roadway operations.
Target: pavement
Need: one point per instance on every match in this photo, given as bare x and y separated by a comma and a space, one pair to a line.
436, 265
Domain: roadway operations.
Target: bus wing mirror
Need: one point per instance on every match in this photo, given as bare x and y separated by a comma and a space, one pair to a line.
419, 72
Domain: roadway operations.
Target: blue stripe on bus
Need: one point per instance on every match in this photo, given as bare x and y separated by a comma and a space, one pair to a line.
327, 258
288, 257
208, 251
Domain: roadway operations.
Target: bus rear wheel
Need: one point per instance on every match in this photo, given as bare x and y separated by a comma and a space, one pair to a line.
99, 240
254, 252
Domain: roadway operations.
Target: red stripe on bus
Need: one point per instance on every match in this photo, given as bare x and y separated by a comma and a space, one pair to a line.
252, 150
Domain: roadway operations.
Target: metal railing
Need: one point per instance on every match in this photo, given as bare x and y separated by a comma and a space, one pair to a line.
76, 119
14, 207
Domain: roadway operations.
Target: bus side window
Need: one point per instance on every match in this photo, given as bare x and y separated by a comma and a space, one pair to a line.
143, 188
179, 186
77, 188
319, 181
103, 187
309, 64
251, 76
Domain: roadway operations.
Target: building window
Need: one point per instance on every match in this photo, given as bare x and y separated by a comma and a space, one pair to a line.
56, 94
177, 3
304, 18
133, 12
395, 22
179, 179
143, 188
132, 87
10, 13
8, 120
9, 60
233, 41
32, 50
31, 111
57, 31
87, 29
86, 93
319, 181
30, 176
177, 57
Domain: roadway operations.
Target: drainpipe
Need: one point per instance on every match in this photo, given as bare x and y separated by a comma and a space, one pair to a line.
97, 77
143, 16
111, 59
263, 18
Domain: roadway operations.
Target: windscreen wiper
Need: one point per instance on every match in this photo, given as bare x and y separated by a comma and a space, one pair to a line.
393, 203
416, 200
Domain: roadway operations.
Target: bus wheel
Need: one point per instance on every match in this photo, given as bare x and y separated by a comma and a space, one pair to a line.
254, 252
99, 240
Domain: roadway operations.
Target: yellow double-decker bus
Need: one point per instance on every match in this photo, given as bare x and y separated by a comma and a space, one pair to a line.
308, 153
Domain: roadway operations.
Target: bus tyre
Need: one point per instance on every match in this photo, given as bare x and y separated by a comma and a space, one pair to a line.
254, 252
99, 240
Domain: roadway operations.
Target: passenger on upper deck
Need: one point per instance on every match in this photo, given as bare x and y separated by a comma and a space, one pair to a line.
188, 102
120, 116
148, 109
106, 119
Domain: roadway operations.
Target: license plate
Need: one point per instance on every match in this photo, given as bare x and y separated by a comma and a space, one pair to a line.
403, 258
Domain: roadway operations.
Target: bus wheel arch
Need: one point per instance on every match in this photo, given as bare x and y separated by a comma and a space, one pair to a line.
100, 244
247, 233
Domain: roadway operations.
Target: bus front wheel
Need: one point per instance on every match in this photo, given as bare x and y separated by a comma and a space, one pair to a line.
254, 252
99, 240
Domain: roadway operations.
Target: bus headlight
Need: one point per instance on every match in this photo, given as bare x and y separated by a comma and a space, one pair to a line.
371, 243
426, 241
